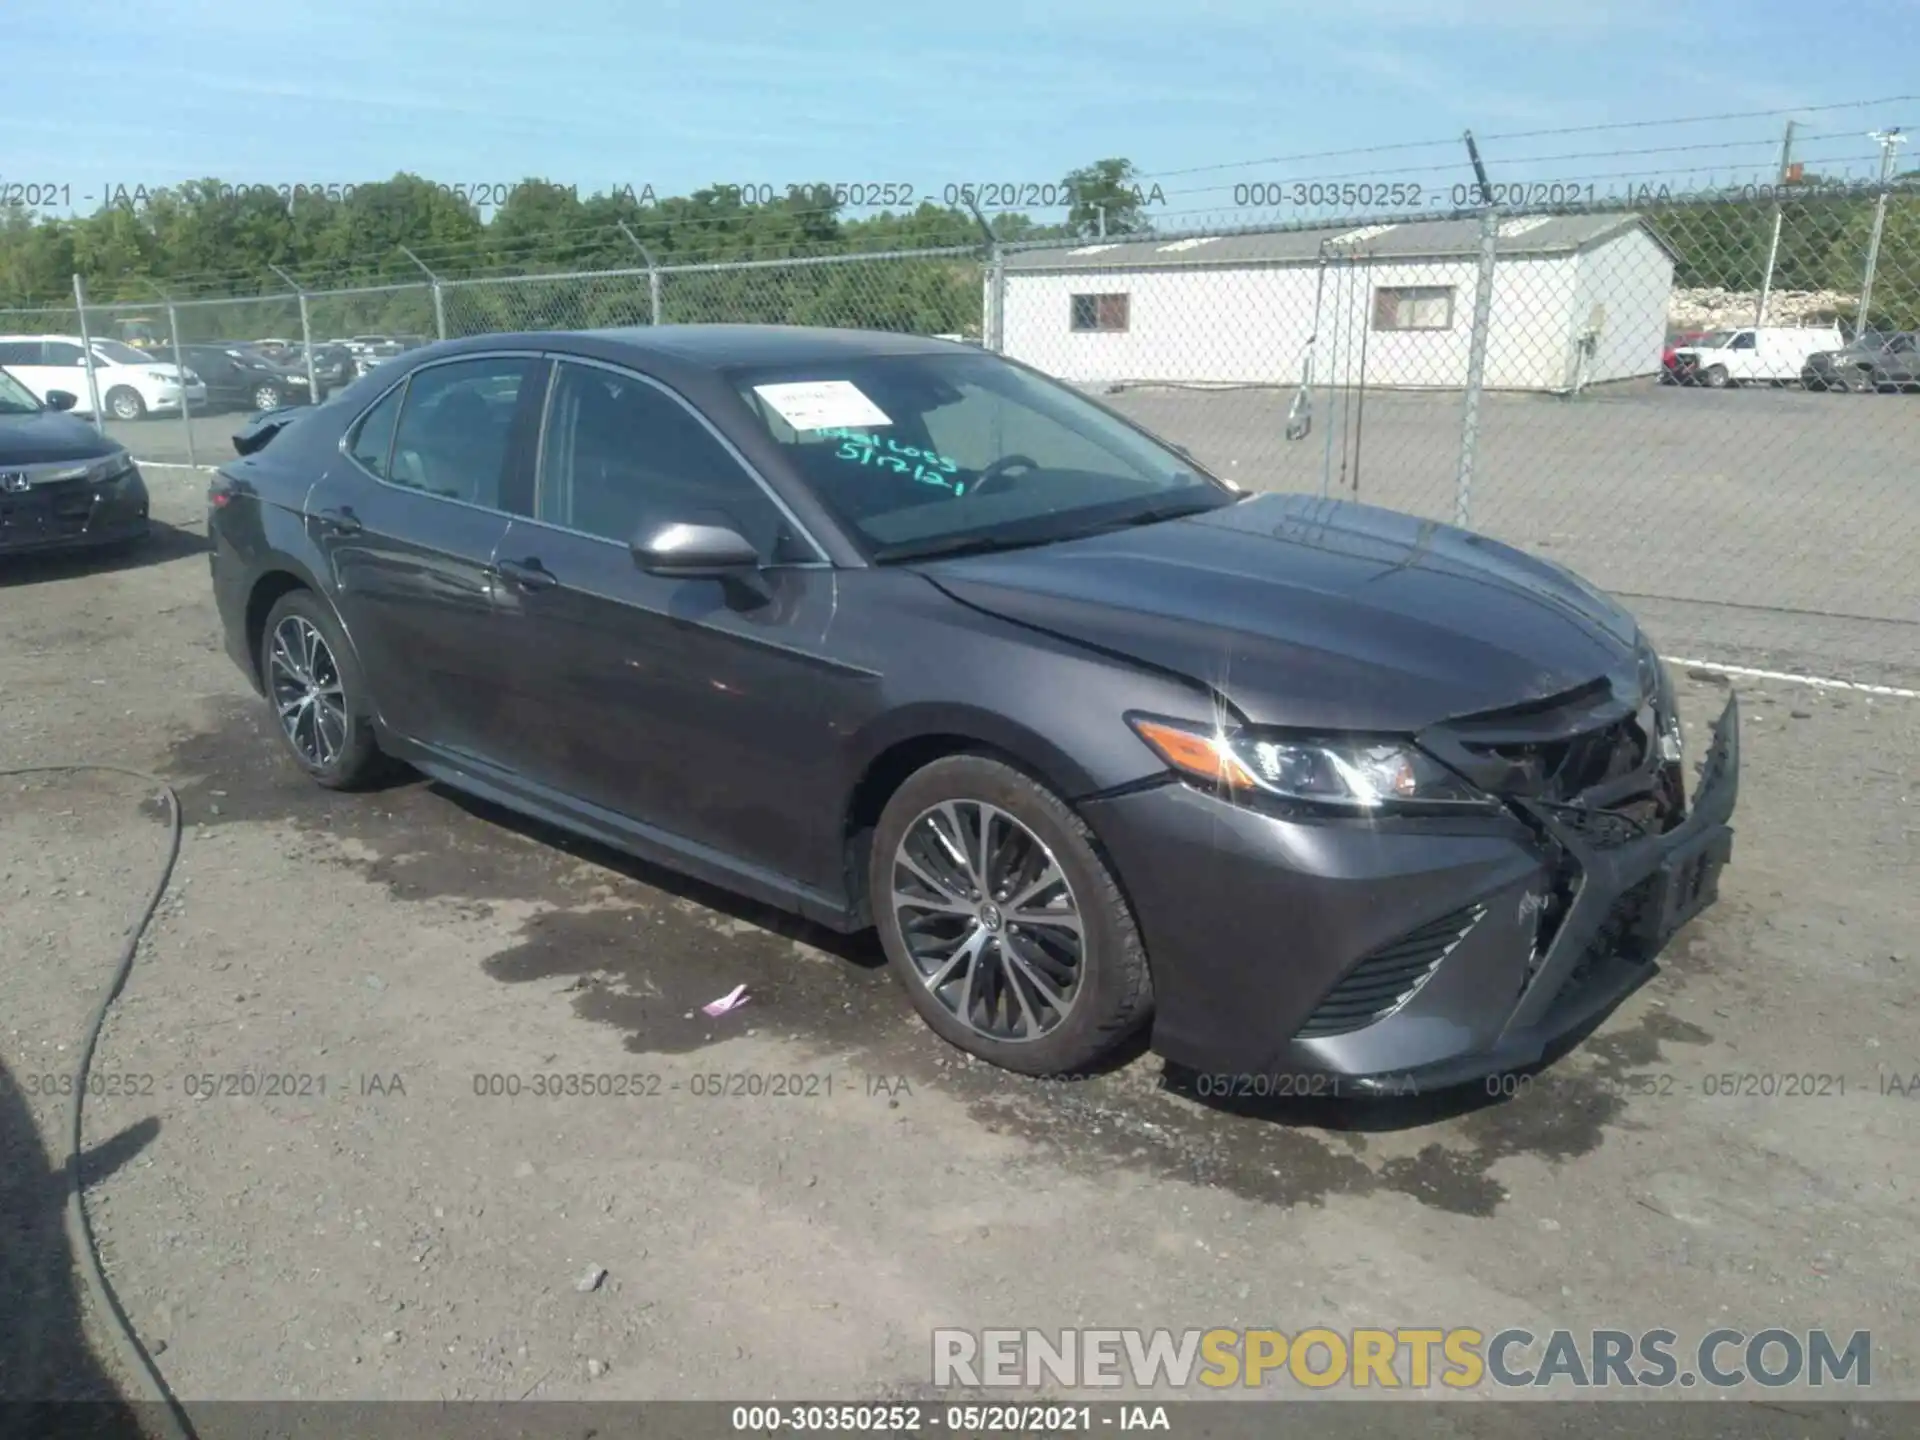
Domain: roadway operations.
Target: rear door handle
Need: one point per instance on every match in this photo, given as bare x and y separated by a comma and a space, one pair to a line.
342, 521
529, 574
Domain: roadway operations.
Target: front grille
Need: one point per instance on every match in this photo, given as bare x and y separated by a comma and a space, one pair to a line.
1388, 978
1564, 768
47, 512
1623, 935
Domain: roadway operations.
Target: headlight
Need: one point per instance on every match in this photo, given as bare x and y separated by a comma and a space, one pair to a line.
114, 467
1359, 776
1656, 685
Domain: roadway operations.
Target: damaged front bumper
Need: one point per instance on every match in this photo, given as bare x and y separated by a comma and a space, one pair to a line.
1294, 957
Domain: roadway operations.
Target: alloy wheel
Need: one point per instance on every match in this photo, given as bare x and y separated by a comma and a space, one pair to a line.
126, 407
989, 920
308, 697
266, 398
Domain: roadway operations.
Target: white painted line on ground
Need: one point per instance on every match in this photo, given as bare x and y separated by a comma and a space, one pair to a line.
1821, 681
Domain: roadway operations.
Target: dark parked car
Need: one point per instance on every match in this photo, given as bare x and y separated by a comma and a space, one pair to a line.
334, 366
893, 632
1874, 360
63, 485
237, 376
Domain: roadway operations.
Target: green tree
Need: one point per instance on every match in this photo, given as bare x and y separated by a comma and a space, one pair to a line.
1107, 199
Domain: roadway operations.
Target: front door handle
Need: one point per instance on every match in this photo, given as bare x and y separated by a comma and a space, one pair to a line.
529, 574
342, 521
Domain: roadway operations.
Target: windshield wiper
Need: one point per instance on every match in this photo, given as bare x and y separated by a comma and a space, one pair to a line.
955, 545
1175, 510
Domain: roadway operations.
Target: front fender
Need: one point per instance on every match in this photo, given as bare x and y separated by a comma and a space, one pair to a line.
928, 719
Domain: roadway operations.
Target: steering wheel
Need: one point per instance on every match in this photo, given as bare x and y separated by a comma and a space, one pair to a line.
999, 470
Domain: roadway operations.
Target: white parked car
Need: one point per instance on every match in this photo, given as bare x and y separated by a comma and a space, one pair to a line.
131, 382
1756, 354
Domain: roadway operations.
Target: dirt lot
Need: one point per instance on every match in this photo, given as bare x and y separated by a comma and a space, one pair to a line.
401, 1234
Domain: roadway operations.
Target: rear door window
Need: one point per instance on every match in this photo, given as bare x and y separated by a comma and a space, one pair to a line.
372, 440
456, 427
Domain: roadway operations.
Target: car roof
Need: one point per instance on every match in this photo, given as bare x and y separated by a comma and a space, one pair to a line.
715, 346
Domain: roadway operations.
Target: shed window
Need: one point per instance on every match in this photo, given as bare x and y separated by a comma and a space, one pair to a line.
1413, 307
1099, 312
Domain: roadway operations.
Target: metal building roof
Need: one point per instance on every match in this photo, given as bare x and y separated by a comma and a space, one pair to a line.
1412, 240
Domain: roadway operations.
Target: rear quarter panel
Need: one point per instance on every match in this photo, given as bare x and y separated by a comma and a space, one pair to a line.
260, 531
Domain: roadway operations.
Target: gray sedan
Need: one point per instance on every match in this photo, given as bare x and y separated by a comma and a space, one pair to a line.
893, 632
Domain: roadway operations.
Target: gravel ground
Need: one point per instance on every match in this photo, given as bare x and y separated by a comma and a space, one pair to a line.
380, 1227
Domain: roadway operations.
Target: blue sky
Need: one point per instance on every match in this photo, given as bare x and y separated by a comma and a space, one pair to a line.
676, 94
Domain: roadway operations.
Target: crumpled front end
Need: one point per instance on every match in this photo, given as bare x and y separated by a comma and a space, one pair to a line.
1303, 955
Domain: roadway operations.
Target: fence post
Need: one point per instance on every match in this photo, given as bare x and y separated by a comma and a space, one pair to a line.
1476, 366
997, 294
1888, 139
306, 334
180, 364
1779, 213
439, 299
653, 272
86, 352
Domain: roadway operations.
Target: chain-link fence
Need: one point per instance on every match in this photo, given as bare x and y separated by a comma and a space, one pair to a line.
1680, 400
1588, 384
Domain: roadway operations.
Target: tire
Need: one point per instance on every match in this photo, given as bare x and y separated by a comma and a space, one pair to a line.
266, 397
123, 402
340, 753
1714, 377
1073, 1015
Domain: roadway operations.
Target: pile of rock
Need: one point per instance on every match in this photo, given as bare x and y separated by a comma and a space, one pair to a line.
1711, 308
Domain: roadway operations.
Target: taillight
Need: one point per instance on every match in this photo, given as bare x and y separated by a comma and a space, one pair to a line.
219, 492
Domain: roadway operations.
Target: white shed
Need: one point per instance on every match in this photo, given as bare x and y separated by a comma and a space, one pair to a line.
1577, 299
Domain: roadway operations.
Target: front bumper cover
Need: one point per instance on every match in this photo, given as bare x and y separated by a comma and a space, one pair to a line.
74, 515
1252, 920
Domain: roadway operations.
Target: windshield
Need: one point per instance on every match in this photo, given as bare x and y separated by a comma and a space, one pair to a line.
931, 454
114, 353
1714, 339
15, 398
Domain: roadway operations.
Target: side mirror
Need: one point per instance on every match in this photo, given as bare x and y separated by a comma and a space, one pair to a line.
61, 399
692, 551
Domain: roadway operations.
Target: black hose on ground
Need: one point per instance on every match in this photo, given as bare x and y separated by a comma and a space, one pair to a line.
79, 1225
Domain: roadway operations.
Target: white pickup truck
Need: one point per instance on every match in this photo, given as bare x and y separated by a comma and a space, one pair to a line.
1764, 354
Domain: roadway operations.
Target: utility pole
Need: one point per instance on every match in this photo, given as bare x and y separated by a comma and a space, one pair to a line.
1477, 341
1886, 139
1773, 245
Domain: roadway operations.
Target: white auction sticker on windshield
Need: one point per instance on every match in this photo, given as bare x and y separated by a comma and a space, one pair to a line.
822, 404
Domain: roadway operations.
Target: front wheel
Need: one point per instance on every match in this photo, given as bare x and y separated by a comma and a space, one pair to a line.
1003, 922
320, 704
124, 403
266, 397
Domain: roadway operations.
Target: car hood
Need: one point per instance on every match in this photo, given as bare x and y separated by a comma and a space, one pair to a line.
49, 436
1317, 613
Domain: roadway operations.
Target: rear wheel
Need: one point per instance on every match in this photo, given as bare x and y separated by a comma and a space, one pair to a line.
1002, 921
320, 704
1715, 377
